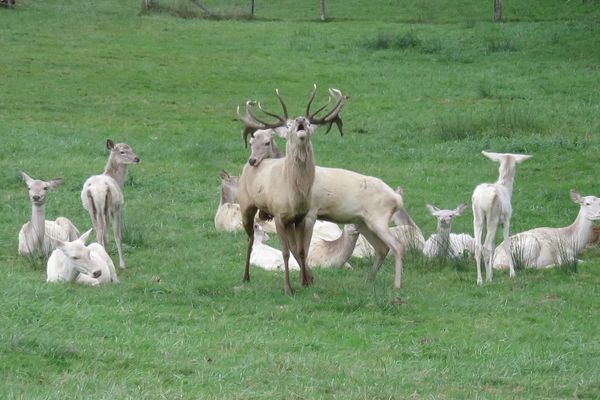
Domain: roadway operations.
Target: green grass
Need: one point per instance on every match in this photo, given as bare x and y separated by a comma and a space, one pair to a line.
448, 84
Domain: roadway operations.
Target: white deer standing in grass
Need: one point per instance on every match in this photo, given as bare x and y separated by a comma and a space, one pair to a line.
73, 261
547, 247
102, 195
36, 236
443, 243
492, 207
282, 187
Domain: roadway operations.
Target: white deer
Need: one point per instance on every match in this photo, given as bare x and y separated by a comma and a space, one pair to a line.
347, 197
265, 256
282, 187
443, 243
547, 247
333, 252
228, 217
102, 195
491, 204
36, 236
73, 261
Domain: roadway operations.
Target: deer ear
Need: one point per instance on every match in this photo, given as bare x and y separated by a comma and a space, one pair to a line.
110, 144
433, 210
493, 156
26, 178
56, 182
576, 197
519, 158
85, 236
460, 209
281, 131
399, 190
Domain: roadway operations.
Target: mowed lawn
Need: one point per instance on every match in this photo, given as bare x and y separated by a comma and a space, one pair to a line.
432, 84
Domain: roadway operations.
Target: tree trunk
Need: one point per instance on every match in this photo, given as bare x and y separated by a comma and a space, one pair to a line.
323, 10
497, 10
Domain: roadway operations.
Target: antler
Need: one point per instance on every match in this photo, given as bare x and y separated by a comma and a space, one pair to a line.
332, 117
252, 122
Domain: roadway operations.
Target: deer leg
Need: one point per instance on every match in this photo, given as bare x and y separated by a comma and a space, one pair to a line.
506, 234
306, 277
248, 222
117, 233
490, 238
393, 244
284, 233
478, 232
380, 248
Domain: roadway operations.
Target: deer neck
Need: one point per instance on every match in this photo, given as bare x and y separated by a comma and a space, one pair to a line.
443, 240
116, 171
38, 222
506, 178
580, 231
299, 170
341, 248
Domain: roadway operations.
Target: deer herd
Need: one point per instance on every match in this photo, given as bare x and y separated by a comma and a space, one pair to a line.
287, 194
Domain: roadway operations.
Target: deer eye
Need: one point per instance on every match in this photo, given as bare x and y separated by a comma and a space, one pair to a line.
122, 152
46, 188
75, 258
266, 144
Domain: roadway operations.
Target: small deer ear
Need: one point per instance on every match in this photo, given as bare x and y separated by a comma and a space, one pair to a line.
85, 235
519, 158
110, 144
433, 210
576, 197
56, 182
26, 177
460, 209
493, 156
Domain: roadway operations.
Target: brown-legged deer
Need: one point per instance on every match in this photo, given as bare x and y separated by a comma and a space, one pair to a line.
282, 187
102, 195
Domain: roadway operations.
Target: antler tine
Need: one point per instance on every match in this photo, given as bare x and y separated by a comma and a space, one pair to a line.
332, 117
271, 114
285, 111
311, 98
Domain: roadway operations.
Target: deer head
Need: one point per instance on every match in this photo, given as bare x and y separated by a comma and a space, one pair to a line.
38, 188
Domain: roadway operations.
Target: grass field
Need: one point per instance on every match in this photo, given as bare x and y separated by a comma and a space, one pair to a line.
432, 83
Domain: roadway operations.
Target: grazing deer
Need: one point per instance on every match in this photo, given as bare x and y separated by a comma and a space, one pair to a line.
36, 236
547, 247
102, 195
491, 204
282, 187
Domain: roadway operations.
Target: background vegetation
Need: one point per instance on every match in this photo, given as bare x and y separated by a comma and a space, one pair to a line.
432, 83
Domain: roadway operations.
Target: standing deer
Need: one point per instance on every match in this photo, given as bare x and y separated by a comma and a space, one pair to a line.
102, 195
346, 197
38, 235
282, 187
491, 204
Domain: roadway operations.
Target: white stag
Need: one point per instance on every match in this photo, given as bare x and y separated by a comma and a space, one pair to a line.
346, 197
282, 187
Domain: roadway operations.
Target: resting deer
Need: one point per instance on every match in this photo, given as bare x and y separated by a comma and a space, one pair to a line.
36, 236
73, 261
334, 252
347, 197
547, 247
102, 195
443, 243
491, 204
228, 217
265, 256
282, 187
